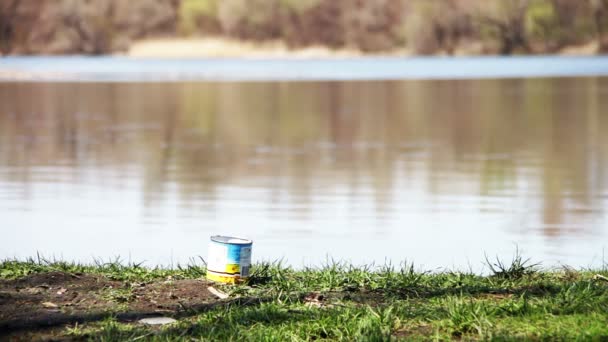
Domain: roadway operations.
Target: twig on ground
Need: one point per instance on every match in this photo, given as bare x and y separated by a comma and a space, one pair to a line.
219, 294
600, 277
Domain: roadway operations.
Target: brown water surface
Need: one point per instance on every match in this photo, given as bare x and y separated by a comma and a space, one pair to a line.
435, 172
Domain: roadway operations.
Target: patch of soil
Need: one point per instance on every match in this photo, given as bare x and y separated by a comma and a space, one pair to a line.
413, 331
172, 295
57, 298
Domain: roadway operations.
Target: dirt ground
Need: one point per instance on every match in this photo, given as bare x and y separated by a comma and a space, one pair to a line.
47, 300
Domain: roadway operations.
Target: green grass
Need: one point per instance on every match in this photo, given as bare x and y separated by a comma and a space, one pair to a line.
518, 300
115, 269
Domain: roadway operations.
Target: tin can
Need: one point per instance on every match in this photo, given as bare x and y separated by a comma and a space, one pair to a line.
229, 259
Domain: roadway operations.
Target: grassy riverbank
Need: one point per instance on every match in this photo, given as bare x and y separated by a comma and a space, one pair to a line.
40, 299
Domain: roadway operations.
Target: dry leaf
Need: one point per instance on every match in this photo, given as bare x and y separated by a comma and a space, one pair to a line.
61, 291
314, 299
49, 305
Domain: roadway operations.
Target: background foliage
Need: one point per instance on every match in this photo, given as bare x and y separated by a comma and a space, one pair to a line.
422, 26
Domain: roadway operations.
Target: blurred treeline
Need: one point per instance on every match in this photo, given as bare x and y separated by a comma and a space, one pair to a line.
420, 26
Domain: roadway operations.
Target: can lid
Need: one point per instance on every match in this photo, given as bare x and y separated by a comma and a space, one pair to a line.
231, 239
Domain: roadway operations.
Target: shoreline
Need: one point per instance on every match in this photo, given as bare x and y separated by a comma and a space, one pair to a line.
219, 47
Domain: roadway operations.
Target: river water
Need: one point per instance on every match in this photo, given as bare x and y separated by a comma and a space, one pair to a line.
435, 172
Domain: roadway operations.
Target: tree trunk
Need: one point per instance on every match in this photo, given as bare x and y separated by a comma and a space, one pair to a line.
597, 16
8, 11
600, 8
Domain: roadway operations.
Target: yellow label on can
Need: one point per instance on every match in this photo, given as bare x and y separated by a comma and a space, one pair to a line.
223, 278
233, 268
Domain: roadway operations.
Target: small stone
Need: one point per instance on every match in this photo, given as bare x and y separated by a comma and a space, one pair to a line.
157, 320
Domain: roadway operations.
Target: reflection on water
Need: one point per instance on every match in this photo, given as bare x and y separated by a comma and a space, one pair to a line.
437, 172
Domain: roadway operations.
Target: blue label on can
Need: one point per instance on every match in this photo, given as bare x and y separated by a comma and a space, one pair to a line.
234, 254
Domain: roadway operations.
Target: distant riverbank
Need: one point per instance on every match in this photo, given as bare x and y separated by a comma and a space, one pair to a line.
422, 27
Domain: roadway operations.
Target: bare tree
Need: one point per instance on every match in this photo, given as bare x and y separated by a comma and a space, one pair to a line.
600, 11
451, 25
17, 21
8, 13
93, 24
507, 19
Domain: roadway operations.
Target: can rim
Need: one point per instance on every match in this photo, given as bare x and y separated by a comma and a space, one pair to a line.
230, 240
